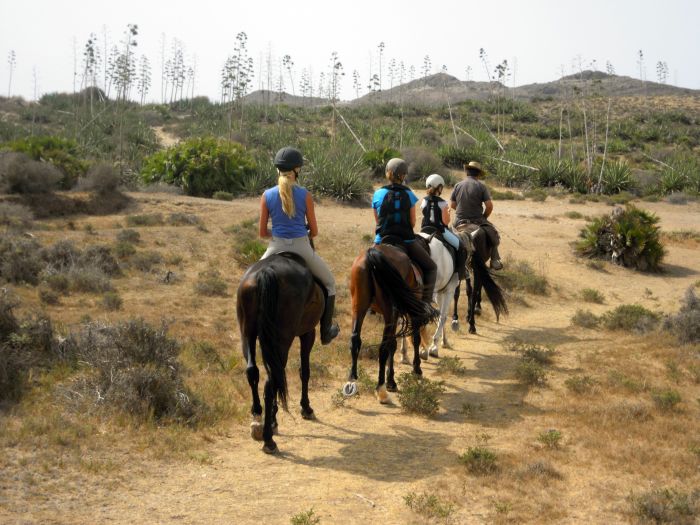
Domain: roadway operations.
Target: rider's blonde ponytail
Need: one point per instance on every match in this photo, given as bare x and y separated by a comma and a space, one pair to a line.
286, 183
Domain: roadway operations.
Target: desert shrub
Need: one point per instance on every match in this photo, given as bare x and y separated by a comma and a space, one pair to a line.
222, 196
211, 284
61, 255
129, 235
550, 172
137, 370
249, 251
574, 215
666, 399
24, 345
429, 137
538, 354
145, 261
530, 373
451, 365
184, 219
336, 172
686, 323
112, 301
629, 237
58, 282
520, 275
421, 163
667, 506
580, 384
88, 279
22, 175
542, 470
99, 257
15, 216
101, 178
479, 460
574, 177
591, 295
48, 296
58, 152
419, 395
307, 517
508, 195
428, 505
550, 438
630, 317
124, 249
148, 219
201, 166
375, 159
19, 259
585, 319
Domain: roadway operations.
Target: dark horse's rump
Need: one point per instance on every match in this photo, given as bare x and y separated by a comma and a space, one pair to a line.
277, 301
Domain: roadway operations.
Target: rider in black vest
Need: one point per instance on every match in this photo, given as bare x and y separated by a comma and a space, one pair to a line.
436, 215
395, 214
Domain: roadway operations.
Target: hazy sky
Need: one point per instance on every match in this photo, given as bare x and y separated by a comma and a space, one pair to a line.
539, 38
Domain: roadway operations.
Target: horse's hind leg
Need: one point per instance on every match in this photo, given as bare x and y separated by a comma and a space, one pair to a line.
350, 388
307, 342
386, 348
253, 375
415, 337
270, 447
455, 314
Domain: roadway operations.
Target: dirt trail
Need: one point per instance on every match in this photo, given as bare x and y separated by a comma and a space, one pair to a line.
355, 464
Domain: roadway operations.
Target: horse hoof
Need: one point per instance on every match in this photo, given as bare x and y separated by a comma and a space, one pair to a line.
382, 395
405, 360
418, 371
350, 389
477, 310
447, 345
455, 326
270, 448
472, 330
391, 387
256, 430
308, 414
434, 353
424, 355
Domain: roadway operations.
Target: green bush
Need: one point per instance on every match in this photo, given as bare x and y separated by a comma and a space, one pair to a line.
580, 384
585, 319
421, 163
530, 373
666, 399
591, 295
112, 301
335, 172
617, 177
629, 237
211, 284
667, 506
630, 317
375, 159
520, 275
550, 438
479, 460
428, 505
201, 166
222, 196
419, 395
455, 157
147, 219
61, 153
129, 235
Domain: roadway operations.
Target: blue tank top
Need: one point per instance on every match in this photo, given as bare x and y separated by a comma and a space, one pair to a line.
282, 225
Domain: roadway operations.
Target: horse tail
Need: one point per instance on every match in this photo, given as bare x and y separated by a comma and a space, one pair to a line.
493, 291
410, 308
268, 295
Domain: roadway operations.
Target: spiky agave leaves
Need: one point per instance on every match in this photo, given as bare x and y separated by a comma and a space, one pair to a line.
627, 237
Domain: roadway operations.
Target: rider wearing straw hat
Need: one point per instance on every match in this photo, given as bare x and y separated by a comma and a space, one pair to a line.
467, 199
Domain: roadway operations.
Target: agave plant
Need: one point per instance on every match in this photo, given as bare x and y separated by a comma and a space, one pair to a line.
617, 177
628, 237
335, 173
574, 177
672, 181
551, 172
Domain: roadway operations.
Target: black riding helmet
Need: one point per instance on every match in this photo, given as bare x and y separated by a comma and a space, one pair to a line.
288, 158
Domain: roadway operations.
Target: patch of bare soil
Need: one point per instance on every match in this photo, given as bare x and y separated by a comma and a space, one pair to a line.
356, 462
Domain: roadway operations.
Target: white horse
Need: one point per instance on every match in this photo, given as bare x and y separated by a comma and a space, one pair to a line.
446, 282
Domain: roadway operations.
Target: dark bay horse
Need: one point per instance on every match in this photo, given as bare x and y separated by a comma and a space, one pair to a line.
384, 279
479, 252
278, 300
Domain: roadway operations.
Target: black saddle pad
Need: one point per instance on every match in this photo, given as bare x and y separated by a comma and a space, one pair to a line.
298, 258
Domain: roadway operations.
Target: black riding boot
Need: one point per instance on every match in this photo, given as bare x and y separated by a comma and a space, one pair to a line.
329, 329
462, 262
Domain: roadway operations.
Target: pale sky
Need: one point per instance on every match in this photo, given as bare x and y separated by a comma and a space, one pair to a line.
539, 38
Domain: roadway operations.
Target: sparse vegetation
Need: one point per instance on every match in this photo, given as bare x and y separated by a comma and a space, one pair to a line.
307, 517
663, 505
479, 460
591, 295
211, 284
630, 317
580, 384
428, 505
521, 276
685, 325
419, 395
148, 219
451, 365
530, 373
550, 438
585, 319
666, 400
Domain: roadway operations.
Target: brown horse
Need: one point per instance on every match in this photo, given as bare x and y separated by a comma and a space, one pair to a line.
384, 279
278, 300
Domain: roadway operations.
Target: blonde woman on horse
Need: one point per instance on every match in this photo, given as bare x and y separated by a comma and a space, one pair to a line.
290, 208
